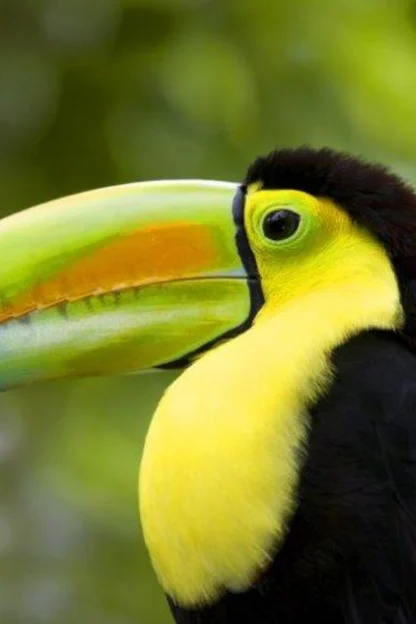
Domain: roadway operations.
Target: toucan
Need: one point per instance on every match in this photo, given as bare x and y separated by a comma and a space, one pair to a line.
278, 477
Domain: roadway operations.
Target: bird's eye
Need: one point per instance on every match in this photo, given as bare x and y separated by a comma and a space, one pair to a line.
281, 224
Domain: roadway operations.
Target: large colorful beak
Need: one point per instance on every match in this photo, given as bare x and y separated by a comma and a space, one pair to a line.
119, 280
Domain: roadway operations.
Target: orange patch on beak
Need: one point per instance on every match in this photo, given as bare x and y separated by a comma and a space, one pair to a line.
156, 254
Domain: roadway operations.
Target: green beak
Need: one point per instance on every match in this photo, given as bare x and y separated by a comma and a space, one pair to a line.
119, 280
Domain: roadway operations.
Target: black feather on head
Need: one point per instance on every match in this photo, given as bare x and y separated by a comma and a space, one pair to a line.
372, 195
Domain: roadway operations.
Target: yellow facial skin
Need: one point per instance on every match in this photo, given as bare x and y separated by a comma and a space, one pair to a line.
324, 253
221, 463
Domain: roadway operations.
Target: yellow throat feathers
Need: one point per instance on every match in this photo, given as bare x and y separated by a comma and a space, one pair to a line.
221, 462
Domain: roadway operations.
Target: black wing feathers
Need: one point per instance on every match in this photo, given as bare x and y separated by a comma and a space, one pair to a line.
377, 378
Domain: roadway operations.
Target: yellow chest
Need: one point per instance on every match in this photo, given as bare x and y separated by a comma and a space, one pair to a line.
221, 461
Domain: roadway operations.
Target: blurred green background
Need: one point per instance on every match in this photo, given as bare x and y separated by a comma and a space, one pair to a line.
99, 92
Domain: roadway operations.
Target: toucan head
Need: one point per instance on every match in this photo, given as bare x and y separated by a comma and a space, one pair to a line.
151, 275
340, 200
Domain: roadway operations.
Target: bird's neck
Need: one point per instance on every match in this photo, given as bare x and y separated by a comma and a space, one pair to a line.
221, 464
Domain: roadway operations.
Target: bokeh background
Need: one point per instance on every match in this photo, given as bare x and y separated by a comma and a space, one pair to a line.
100, 92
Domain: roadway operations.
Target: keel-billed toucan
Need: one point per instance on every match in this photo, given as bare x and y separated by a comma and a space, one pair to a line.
278, 480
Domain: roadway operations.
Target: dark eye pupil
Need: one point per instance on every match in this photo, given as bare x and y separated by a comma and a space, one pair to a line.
281, 224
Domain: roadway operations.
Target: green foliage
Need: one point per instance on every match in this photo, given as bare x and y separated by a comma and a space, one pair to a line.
97, 93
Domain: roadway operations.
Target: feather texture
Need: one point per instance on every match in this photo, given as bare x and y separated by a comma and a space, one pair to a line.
350, 554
